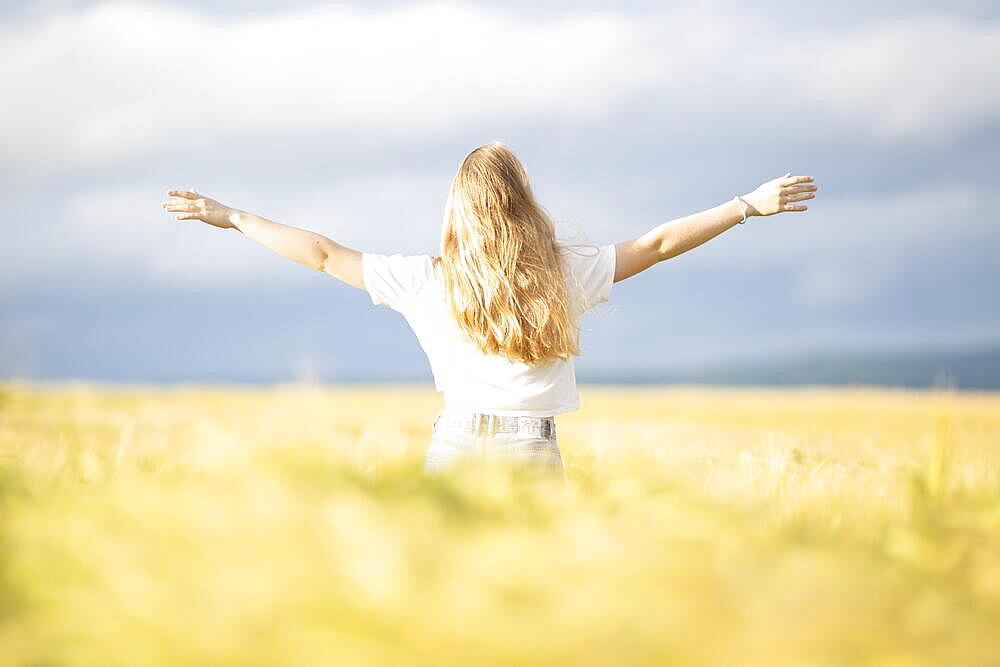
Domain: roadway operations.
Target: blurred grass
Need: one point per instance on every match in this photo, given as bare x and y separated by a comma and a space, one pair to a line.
294, 526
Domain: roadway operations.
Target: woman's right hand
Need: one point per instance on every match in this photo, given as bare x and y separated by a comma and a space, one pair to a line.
776, 196
194, 206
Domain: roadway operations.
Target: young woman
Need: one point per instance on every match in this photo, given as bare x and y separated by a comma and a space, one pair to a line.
497, 311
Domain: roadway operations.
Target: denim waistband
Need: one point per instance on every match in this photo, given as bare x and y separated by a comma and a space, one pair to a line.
483, 423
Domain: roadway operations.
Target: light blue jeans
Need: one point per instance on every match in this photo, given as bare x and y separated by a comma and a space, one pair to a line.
462, 436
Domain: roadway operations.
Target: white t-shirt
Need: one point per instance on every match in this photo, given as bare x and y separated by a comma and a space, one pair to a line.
471, 380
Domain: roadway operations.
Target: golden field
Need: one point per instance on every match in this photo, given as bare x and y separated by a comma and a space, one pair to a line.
293, 525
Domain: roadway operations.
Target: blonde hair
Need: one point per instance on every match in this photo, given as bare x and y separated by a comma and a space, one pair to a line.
501, 264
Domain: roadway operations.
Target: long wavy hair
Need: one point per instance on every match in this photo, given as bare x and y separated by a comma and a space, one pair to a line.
501, 264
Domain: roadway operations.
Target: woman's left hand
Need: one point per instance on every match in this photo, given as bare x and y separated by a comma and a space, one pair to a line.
194, 206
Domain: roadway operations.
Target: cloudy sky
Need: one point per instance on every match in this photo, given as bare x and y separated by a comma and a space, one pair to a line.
350, 119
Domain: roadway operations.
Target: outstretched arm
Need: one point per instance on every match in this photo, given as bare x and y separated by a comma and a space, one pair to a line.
678, 236
300, 245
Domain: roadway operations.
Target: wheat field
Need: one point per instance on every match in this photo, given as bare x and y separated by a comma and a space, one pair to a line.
293, 525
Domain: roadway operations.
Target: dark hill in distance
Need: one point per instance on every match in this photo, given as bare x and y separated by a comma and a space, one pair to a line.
963, 369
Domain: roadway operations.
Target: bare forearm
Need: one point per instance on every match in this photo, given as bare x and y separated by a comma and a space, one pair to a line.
299, 245
678, 236
673, 238
305, 247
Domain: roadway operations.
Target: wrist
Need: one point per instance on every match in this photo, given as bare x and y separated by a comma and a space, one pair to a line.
235, 218
742, 209
751, 209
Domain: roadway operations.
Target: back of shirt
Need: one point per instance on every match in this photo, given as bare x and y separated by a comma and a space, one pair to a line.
471, 380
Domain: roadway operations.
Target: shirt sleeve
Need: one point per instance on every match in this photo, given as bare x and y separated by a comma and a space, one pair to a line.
590, 274
393, 280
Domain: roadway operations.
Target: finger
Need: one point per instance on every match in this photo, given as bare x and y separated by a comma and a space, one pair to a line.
800, 197
186, 194
187, 216
796, 179
789, 189
184, 206
793, 207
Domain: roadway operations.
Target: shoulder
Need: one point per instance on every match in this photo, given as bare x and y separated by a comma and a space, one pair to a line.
399, 266
396, 260
580, 252
590, 272
391, 278
587, 258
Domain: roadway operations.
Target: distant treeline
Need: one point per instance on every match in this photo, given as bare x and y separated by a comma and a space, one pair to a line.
965, 369
958, 369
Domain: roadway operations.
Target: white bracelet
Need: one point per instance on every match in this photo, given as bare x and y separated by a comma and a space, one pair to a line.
743, 208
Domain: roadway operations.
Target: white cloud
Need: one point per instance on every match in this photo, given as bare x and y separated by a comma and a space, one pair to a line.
925, 75
119, 82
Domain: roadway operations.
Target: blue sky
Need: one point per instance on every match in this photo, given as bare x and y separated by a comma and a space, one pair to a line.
350, 120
